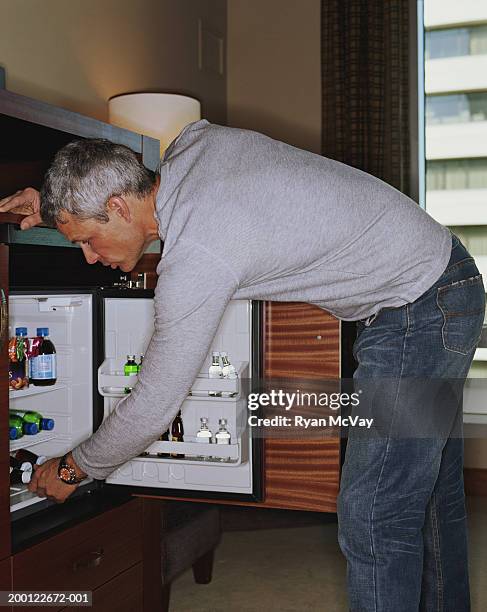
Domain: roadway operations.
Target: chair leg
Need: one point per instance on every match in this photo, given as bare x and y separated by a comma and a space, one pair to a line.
166, 594
202, 568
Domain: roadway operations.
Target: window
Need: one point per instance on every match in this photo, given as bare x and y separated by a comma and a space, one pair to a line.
456, 108
456, 174
453, 42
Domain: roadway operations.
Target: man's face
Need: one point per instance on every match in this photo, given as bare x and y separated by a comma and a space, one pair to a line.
119, 243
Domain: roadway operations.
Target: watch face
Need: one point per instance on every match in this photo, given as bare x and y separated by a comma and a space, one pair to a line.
65, 474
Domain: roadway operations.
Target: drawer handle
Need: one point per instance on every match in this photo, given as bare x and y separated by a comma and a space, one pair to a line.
92, 559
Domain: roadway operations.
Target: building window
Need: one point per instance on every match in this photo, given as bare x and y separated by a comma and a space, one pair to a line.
456, 174
456, 108
454, 42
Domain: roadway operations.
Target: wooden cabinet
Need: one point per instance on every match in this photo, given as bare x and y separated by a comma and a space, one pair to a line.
5, 575
123, 594
5, 580
107, 555
4, 441
85, 556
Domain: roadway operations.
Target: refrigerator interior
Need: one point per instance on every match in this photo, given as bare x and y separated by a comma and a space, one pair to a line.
70, 401
204, 467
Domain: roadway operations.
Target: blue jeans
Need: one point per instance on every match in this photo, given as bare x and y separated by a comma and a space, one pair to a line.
401, 506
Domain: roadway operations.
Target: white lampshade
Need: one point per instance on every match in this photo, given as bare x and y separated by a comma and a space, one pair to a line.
159, 115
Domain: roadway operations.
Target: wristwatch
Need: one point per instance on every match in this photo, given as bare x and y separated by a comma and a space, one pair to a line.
67, 473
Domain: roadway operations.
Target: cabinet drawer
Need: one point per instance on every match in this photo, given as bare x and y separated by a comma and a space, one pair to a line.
84, 557
5, 579
123, 594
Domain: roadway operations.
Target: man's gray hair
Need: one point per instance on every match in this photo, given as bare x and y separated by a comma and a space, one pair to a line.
85, 174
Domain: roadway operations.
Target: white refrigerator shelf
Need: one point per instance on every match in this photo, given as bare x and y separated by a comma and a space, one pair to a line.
32, 390
196, 449
28, 441
112, 382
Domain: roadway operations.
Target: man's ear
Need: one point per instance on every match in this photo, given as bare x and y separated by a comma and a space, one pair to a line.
119, 206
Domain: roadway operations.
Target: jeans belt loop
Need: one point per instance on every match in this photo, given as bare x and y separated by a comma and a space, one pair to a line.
370, 319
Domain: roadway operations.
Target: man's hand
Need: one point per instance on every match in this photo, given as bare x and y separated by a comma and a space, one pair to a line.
45, 481
24, 202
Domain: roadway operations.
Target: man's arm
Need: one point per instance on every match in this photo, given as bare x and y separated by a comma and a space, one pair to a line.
192, 292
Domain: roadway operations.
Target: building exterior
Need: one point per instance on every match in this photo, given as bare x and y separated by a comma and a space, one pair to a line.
455, 43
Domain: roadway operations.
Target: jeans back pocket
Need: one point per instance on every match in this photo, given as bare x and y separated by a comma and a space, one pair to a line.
462, 304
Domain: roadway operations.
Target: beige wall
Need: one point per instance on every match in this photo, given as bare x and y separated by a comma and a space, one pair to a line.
78, 53
274, 79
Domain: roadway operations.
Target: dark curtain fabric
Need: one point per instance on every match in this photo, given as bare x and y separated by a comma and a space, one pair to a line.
365, 80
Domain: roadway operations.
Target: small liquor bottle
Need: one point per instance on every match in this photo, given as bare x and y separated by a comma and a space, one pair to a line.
140, 363
215, 370
131, 366
228, 370
204, 434
164, 438
222, 436
177, 433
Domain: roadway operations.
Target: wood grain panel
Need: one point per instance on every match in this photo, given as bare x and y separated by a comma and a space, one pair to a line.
4, 442
301, 341
475, 480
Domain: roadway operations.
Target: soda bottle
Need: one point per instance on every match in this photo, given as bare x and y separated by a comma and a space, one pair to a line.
20, 465
17, 427
17, 352
177, 432
18, 476
23, 455
43, 367
43, 424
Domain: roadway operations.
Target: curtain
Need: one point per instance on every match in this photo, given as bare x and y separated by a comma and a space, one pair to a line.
365, 84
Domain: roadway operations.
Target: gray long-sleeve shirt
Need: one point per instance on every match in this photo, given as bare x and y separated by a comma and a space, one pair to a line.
243, 216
